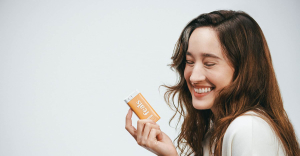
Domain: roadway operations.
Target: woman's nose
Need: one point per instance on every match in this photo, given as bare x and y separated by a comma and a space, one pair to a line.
197, 75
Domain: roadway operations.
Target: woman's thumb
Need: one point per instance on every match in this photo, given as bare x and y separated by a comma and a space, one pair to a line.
160, 136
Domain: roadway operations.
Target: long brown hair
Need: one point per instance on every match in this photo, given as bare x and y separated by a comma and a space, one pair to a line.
253, 87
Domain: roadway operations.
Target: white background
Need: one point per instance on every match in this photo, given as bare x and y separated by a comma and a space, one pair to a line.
66, 67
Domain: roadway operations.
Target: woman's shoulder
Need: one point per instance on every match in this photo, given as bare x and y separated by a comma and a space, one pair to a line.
251, 134
249, 121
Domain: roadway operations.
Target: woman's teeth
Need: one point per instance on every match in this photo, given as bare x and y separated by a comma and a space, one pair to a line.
202, 90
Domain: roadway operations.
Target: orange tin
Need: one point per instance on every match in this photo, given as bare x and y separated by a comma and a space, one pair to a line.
141, 107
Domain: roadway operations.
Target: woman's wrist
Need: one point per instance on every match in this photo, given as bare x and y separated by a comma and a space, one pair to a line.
174, 154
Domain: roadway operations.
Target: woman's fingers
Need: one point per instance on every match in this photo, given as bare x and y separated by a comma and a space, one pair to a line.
129, 126
147, 129
144, 128
140, 129
149, 136
152, 139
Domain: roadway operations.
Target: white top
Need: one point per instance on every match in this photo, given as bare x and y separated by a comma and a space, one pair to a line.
248, 135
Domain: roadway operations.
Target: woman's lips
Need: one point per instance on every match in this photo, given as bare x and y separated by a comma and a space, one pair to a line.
201, 94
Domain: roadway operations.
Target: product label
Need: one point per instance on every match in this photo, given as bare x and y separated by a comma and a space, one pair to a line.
142, 107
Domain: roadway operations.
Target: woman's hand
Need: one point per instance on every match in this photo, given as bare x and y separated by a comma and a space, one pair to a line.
149, 136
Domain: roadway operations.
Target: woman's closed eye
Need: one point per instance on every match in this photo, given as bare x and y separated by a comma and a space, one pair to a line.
209, 64
189, 62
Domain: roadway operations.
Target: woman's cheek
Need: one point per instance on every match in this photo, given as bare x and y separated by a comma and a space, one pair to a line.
213, 76
220, 79
187, 73
216, 79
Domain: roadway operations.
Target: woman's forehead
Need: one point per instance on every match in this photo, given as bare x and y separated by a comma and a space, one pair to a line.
203, 41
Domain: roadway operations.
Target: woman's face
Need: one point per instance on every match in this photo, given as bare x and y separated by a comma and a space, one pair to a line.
207, 70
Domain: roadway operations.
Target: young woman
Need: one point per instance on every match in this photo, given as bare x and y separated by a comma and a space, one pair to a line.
227, 93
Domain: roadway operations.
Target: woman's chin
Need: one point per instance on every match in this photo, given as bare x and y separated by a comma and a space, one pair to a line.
201, 105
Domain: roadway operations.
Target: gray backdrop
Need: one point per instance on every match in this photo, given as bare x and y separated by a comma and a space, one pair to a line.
66, 67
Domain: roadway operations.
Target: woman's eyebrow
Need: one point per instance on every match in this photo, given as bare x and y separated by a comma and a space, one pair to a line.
205, 55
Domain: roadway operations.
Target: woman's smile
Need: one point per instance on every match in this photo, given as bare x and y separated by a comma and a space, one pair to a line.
203, 91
